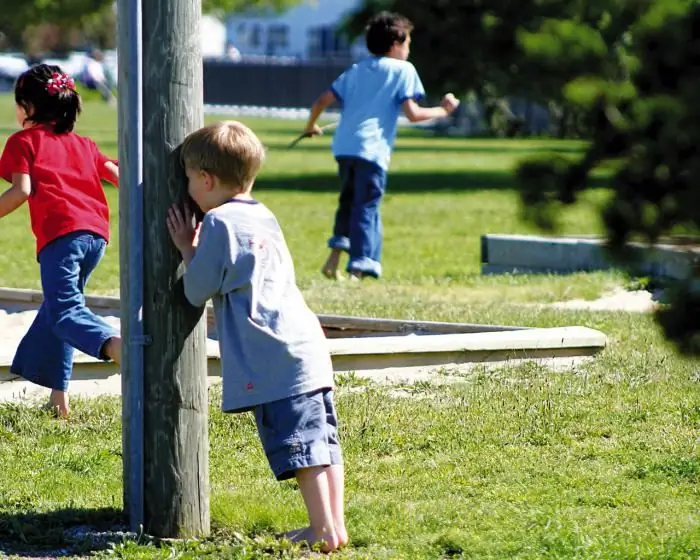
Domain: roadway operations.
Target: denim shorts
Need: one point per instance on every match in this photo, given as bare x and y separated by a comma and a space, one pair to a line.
299, 432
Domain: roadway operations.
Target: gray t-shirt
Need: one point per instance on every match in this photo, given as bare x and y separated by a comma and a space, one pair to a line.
272, 345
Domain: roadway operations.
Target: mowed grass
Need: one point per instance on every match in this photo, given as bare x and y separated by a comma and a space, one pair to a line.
600, 462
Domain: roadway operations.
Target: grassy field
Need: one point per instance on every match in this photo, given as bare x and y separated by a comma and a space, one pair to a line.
601, 462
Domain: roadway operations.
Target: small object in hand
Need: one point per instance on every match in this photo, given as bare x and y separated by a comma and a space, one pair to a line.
307, 134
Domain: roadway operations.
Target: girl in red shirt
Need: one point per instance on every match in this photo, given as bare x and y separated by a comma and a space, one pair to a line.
59, 174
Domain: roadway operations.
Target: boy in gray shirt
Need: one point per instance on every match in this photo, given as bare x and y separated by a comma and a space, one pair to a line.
274, 355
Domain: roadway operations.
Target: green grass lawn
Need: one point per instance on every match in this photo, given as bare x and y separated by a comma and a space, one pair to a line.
601, 462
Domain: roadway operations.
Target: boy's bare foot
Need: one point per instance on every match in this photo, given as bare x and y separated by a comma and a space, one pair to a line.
332, 274
330, 267
58, 404
328, 539
357, 275
342, 535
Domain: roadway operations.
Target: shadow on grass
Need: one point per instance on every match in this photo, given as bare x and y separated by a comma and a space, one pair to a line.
404, 182
60, 533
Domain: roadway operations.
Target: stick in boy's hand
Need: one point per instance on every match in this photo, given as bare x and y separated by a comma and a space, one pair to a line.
307, 134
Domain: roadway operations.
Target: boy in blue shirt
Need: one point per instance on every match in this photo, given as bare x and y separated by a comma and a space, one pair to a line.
275, 359
372, 93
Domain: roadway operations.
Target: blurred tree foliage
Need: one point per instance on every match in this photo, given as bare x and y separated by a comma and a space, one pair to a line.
647, 127
627, 72
36, 25
525, 48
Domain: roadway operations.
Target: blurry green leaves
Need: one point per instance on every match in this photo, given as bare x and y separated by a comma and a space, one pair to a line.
647, 131
229, 6
558, 42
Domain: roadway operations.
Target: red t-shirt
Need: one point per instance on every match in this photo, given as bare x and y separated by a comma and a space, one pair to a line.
65, 171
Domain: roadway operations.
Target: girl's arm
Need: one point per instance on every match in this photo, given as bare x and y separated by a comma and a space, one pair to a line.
110, 173
16, 195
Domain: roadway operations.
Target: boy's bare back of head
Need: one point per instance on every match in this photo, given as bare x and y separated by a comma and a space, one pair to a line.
229, 150
386, 29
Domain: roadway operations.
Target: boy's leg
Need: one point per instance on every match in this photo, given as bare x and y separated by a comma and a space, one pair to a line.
315, 489
340, 240
294, 436
365, 222
335, 472
66, 265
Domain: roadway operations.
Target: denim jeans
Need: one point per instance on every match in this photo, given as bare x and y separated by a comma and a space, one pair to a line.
45, 354
358, 224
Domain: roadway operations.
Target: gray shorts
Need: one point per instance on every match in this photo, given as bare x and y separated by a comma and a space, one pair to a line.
299, 432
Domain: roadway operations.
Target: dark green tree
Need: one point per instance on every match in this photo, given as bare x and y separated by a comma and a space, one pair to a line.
649, 129
526, 48
71, 14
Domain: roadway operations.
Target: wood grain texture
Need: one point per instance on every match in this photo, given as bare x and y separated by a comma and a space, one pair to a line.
176, 470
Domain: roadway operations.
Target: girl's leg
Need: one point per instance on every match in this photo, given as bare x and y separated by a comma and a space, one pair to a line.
112, 348
46, 360
365, 222
66, 265
340, 241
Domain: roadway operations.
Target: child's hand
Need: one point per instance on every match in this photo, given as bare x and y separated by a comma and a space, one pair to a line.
314, 130
449, 103
181, 229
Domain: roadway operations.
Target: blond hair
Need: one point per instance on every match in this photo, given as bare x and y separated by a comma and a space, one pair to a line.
229, 150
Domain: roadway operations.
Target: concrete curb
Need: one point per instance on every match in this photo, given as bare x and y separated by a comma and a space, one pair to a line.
378, 349
502, 253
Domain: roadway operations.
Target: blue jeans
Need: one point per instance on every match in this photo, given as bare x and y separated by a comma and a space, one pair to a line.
358, 224
45, 354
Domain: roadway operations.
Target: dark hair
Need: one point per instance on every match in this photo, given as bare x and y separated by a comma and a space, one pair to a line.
49, 97
385, 29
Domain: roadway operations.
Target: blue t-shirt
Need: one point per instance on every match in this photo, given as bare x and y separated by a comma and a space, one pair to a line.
371, 93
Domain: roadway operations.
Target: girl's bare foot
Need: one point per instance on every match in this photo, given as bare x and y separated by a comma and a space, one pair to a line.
58, 404
113, 349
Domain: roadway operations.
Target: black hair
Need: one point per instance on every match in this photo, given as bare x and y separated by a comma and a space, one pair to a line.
49, 97
385, 29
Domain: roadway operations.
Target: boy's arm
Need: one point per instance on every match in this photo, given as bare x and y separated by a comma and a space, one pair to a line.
207, 267
326, 99
16, 195
416, 113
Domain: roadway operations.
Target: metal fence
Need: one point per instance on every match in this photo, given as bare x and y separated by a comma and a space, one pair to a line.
292, 85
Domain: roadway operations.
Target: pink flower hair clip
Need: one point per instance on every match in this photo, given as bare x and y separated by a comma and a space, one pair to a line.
58, 83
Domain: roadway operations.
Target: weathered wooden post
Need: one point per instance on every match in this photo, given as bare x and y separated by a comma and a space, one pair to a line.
166, 476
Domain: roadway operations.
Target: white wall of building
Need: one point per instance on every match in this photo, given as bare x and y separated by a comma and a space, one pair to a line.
288, 33
213, 36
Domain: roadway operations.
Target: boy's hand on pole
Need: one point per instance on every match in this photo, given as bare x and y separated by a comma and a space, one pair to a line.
181, 228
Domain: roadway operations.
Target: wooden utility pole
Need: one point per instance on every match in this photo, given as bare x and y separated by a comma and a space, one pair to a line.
175, 459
